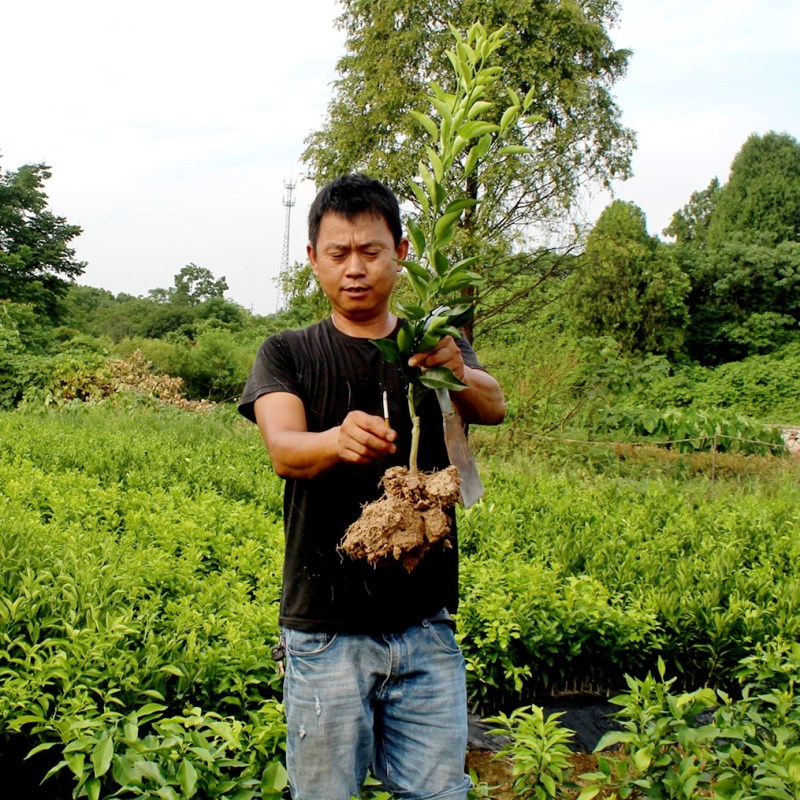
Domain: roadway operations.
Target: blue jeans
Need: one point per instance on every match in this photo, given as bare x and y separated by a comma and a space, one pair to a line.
395, 703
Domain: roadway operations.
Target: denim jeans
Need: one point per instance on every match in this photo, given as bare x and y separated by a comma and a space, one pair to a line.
394, 703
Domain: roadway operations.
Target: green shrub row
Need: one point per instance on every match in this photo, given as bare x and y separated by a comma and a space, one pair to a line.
142, 555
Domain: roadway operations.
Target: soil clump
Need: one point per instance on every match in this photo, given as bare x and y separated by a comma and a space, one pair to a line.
407, 520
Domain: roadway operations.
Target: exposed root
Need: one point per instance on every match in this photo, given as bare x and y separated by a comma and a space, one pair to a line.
407, 520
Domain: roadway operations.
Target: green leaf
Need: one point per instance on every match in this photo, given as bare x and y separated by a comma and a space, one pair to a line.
461, 204
417, 236
484, 144
39, 748
459, 315
459, 281
274, 780
102, 755
466, 262
419, 287
418, 391
513, 96
441, 378
151, 770
441, 104
436, 164
427, 180
440, 262
529, 96
445, 224
439, 194
478, 128
509, 116
420, 195
479, 108
410, 311
426, 122
642, 759
417, 270
150, 708
76, 763
613, 737
92, 788
472, 161
514, 150
187, 777
405, 339
389, 349
428, 341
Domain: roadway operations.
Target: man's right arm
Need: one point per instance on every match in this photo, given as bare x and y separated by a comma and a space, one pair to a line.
298, 453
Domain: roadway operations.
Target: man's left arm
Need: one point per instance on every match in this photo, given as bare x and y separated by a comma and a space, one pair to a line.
482, 401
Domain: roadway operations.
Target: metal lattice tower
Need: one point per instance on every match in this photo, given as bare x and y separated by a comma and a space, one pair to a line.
288, 202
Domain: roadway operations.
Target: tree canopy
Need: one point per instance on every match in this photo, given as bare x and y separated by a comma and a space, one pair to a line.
690, 223
740, 245
37, 263
191, 286
557, 52
762, 195
628, 286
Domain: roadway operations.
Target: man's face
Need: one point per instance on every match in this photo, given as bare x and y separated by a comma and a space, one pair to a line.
356, 264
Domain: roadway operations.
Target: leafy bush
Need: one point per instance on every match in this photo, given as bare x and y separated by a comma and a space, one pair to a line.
688, 430
762, 386
143, 551
539, 751
133, 574
706, 742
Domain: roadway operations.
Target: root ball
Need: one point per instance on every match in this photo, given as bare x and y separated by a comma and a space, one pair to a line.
407, 519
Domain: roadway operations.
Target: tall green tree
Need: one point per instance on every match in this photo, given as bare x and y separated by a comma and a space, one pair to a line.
629, 287
690, 224
191, 286
557, 52
740, 244
762, 195
37, 263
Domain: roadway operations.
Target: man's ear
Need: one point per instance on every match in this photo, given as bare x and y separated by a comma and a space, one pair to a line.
312, 258
402, 251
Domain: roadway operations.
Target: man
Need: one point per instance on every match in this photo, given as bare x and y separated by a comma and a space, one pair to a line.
374, 677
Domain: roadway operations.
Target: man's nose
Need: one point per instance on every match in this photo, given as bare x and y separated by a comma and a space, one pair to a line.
355, 264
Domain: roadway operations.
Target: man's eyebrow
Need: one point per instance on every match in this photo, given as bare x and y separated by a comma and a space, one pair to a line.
361, 246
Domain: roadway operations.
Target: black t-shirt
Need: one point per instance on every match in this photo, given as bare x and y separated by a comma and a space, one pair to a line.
323, 589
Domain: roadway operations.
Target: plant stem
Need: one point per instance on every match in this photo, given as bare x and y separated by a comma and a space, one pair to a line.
412, 460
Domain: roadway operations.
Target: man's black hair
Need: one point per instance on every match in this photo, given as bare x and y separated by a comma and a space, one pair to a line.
352, 195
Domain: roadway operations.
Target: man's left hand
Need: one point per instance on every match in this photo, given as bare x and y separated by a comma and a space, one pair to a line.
446, 354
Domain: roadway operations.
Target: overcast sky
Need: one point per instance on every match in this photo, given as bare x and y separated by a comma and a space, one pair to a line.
171, 126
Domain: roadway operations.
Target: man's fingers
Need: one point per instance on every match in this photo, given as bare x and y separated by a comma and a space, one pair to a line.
364, 437
446, 354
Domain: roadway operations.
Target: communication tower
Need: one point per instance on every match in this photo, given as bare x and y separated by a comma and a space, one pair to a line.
288, 202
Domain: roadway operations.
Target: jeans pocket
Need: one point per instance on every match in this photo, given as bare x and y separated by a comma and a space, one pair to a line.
442, 632
304, 643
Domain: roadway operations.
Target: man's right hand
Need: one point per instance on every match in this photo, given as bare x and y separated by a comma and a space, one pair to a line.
298, 453
364, 437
